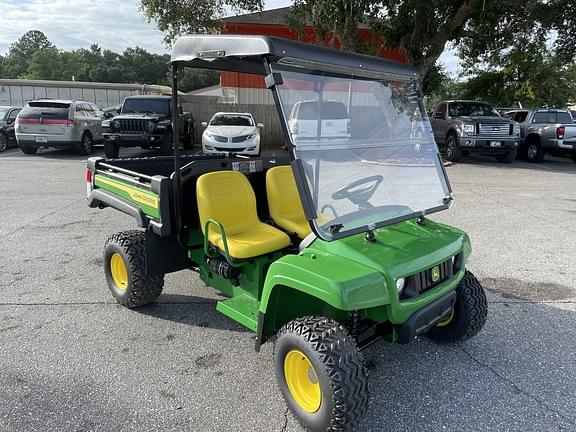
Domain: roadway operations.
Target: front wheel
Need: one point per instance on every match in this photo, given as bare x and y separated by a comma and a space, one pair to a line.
188, 142
111, 149
468, 316
125, 269
321, 374
3, 142
166, 144
507, 157
453, 150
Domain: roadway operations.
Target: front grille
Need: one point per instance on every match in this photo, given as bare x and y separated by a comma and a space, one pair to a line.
219, 138
132, 125
423, 281
494, 129
233, 150
240, 138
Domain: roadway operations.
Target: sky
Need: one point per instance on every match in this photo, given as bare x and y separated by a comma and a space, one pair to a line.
112, 24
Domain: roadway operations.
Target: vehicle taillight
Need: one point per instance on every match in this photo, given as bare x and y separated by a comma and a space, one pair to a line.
69, 123
88, 182
560, 132
349, 129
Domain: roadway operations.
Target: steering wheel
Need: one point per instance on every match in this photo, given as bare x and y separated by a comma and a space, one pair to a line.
356, 193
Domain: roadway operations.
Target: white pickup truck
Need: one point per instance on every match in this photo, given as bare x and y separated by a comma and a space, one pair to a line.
545, 131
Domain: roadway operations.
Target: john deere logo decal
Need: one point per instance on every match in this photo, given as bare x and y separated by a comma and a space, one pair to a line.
435, 274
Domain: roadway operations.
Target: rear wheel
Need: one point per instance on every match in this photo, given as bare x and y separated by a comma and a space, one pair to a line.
111, 149
321, 374
534, 151
452, 149
125, 269
29, 150
85, 146
507, 157
3, 142
468, 316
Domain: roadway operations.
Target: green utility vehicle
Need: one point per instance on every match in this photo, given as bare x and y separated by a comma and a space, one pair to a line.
325, 248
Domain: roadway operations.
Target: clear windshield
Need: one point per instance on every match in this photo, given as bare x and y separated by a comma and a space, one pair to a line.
466, 109
231, 120
369, 156
140, 105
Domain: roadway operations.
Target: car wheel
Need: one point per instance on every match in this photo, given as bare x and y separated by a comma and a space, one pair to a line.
468, 316
534, 151
125, 270
321, 374
85, 146
3, 142
111, 149
507, 157
452, 149
189, 140
166, 144
29, 150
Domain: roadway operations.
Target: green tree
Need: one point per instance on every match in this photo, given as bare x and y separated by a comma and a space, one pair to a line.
420, 28
528, 73
175, 17
21, 52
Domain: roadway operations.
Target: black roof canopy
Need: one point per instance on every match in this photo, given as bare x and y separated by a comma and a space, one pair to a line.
240, 53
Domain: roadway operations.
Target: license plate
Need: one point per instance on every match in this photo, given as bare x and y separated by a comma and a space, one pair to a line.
41, 139
495, 144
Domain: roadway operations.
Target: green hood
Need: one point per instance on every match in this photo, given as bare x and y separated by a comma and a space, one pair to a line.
401, 249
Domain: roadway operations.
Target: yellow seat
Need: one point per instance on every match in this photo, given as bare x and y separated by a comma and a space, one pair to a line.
228, 198
284, 201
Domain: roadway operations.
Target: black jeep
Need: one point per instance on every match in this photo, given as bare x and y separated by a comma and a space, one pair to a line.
145, 121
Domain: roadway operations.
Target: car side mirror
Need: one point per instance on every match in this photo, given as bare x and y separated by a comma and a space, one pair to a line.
118, 110
204, 124
260, 125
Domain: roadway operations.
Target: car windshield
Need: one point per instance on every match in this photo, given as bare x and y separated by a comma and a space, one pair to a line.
378, 166
466, 109
231, 120
141, 105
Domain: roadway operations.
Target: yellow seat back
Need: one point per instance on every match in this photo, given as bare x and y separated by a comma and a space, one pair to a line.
284, 201
227, 197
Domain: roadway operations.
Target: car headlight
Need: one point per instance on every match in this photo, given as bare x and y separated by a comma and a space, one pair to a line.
516, 129
115, 124
150, 126
250, 136
468, 129
400, 283
106, 123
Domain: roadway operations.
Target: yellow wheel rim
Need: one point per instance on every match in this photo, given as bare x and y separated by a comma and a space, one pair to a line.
446, 320
302, 381
119, 271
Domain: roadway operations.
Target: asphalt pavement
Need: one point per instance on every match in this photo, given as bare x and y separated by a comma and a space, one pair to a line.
71, 359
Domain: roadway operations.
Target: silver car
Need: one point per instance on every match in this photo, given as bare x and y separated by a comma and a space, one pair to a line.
60, 124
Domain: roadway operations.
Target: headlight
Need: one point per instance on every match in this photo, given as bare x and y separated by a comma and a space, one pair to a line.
250, 136
400, 284
468, 129
106, 123
115, 124
516, 129
150, 126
